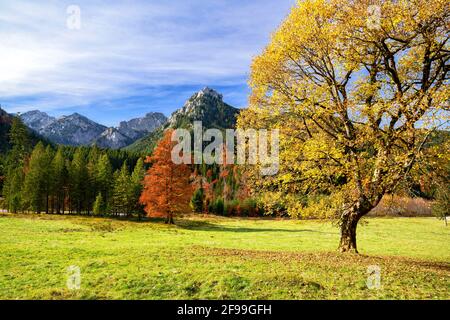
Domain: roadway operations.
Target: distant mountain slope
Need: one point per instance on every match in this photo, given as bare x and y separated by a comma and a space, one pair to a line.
146, 144
207, 106
139, 127
37, 120
139, 134
71, 130
78, 130
113, 139
5, 125
74, 130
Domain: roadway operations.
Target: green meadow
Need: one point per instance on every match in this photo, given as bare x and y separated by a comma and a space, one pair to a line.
220, 258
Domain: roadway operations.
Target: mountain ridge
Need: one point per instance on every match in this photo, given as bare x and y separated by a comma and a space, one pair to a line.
137, 134
6, 120
76, 129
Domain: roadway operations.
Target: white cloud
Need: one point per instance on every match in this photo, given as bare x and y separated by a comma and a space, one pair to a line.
139, 43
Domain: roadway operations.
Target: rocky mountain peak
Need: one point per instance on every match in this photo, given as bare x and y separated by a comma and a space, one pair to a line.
207, 106
112, 138
139, 127
209, 93
37, 120
75, 116
76, 129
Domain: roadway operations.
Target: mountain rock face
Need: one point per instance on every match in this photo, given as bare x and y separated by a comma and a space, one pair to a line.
78, 130
74, 130
129, 131
139, 127
113, 139
6, 120
37, 120
206, 106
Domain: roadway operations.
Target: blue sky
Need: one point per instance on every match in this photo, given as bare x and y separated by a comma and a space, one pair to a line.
129, 57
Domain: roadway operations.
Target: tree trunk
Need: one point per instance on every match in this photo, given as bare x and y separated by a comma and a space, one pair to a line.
169, 219
349, 222
58, 203
348, 234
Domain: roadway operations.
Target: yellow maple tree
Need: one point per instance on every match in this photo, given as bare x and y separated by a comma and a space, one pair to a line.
348, 83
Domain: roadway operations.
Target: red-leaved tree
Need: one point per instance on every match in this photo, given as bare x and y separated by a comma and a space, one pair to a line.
167, 189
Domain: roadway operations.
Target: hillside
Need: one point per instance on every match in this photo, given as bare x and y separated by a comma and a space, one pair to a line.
78, 130
5, 125
206, 106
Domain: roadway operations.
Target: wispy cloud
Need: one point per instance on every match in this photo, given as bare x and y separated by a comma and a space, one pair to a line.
138, 52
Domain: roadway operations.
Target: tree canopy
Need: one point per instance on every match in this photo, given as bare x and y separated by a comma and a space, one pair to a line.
349, 89
167, 188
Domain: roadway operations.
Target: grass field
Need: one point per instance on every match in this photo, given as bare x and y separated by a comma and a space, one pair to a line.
220, 258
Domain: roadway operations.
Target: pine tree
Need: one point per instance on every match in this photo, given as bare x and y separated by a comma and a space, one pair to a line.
123, 191
20, 141
12, 189
34, 190
197, 201
104, 177
137, 178
78, 179
14, 165
114, 199
99, 206
47, 176
92, 189
59, 180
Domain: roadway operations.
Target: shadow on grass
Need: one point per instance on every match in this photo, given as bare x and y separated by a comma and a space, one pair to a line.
334, 259
207, 226
180, 223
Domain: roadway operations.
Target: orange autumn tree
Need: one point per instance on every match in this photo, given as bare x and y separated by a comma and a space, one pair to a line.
167, 190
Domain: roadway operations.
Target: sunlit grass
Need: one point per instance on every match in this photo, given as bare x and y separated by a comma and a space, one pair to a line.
220, 258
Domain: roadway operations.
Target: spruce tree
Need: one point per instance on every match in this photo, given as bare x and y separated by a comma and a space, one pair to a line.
14, 165
92, 188
12, 189
47, 175
197, 201
99, 206
20, 141
78, 180
104, 177
59, 180
34, 189
123, 191
137, 178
